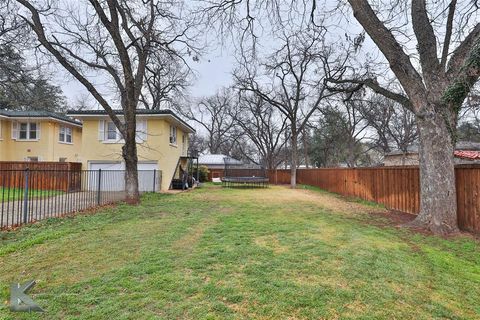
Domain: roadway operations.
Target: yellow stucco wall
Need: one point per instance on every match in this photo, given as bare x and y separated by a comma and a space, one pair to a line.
47, 147
3, 150
156, 148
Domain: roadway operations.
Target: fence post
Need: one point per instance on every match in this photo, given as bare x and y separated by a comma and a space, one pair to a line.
99, 186
154, 177
25, 197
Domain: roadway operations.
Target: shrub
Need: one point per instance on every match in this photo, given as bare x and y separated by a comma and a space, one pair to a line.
203, 173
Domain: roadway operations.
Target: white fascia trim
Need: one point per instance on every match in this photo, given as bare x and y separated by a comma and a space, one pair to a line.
32, 119
178, 121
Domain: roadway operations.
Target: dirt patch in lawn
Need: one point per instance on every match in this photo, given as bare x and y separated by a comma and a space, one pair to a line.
394, 218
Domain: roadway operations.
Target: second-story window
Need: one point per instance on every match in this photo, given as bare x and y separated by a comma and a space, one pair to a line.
26, 130
173, 135
65, 134
111, 131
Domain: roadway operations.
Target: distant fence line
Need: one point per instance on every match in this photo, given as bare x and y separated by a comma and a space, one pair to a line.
398, 188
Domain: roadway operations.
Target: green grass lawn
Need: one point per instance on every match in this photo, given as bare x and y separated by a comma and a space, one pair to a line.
218, 253
8, 194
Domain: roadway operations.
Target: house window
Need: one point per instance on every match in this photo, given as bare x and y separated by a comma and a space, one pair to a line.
32, 159
65, 134
111, 131
62, 160
26, 131
173, 135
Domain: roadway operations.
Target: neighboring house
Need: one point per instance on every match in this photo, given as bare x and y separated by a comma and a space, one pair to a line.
39, 136
217, 161
216, 164
162, 142
466, 152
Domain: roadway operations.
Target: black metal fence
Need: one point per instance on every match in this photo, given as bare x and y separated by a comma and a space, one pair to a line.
32, 195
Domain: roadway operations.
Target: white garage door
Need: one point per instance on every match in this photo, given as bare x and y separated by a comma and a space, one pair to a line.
112, 177
147, 177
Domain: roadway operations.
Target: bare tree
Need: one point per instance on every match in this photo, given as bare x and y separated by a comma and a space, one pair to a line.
264, 126
215, 114
292, 82
196, 144
343, 131
12, 27
395, 127
113, 39
166, 81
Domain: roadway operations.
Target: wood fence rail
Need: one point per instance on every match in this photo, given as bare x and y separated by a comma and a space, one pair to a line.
398, 188
61, 176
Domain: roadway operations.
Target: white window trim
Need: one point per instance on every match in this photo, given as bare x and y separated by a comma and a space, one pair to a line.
65, 134
175, 143
142, 133
16, 130
103, 133
117, 132
141, 136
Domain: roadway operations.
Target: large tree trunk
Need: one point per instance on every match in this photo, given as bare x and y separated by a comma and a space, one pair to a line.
294, 162
438, 205
129, 153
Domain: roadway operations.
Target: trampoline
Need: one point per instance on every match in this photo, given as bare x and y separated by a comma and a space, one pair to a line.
236, 175
245, 182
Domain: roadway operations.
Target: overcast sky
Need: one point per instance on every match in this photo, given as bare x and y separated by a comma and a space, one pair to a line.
213, 71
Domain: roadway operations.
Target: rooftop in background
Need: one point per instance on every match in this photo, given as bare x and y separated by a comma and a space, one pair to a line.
217, 159
38, 114
146, 112
467, 154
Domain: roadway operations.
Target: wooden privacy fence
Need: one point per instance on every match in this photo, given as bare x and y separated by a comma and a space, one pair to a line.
398, 188
395, 187
279, 176
61, 176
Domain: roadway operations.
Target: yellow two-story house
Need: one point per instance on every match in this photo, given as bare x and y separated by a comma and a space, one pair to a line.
39, 136
162, 142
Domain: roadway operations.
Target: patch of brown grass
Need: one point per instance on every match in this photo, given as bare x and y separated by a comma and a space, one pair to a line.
271, 242
284, 194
